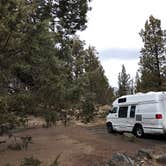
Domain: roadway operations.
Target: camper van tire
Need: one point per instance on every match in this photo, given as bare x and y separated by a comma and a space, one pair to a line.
110, 128
138, 130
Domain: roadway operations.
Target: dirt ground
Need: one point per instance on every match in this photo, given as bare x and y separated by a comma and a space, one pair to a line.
88, 145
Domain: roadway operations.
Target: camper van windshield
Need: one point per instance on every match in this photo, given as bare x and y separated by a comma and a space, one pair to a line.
114, 110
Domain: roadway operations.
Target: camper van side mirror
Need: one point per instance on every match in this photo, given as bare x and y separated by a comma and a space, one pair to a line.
113, 110
109, 111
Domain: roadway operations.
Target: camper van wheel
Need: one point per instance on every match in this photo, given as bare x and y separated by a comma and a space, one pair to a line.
139, 132
109, 128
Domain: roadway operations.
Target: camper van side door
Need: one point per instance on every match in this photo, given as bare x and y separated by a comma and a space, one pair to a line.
131, 117
122, 118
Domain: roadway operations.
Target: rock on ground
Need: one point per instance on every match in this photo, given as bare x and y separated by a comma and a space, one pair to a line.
119, 159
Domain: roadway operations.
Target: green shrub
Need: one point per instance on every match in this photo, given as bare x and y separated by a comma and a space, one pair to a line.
26, 141
8, 120
21, 103
15, 146
50, 118
88, 110
30, 161
23, 143
56, 162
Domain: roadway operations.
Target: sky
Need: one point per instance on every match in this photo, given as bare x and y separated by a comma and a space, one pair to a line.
113, 29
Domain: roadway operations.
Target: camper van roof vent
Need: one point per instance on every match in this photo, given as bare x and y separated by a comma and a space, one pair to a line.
122, 100
139, 93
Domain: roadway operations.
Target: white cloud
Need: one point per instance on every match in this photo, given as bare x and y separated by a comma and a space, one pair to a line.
119, 53
112, 65
116, 24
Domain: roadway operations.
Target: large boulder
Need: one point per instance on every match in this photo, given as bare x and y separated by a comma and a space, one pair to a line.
120, 159
145, 153
161, 159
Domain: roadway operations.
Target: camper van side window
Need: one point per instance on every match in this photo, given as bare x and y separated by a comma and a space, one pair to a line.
122, 100
132, 111
123, 112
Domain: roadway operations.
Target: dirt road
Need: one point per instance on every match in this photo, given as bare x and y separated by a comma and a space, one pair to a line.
83, 146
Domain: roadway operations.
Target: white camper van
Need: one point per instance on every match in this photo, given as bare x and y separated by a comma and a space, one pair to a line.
140, 113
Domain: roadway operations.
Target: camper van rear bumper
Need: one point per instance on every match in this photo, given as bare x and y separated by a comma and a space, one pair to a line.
152, 130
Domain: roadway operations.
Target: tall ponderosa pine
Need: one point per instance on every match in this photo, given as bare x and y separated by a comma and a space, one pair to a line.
42, 65
76, 71
123, 82
137, 83
34, 53
153, 58
87, 74
97, 83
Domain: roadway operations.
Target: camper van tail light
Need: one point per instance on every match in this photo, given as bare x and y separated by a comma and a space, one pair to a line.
158, 116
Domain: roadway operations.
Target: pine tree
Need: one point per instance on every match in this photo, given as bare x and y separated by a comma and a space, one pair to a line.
76, 71
97, 83
153, 59
123, 82
137, 83
34, 51
110, 95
